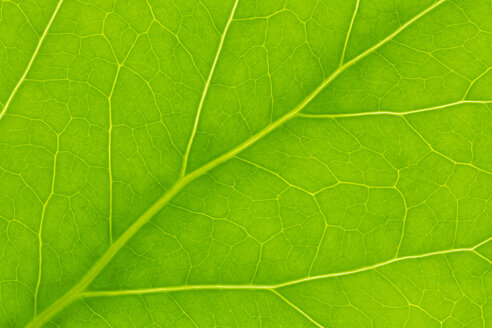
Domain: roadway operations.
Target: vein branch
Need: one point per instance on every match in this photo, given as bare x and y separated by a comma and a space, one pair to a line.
410, 112
295, 307
280, 285
349, 31
29, 65
41, 223
205, 90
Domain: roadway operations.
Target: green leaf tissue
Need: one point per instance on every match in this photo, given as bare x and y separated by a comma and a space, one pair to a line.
245, 163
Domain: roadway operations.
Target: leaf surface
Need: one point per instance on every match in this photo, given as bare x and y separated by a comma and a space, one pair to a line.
242, 163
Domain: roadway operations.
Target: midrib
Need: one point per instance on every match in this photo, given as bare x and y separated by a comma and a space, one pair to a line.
76, 291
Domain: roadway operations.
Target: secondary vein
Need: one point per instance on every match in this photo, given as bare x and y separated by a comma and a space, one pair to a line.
410, 112
35, 54
205, 90
347, 37
108, 293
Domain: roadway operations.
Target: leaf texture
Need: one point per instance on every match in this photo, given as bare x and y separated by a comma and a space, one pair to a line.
245, 163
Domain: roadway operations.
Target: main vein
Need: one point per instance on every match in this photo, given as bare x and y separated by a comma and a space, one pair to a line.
100, 264
35, 54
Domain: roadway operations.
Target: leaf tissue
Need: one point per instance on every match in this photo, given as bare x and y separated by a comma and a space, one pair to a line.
245, 163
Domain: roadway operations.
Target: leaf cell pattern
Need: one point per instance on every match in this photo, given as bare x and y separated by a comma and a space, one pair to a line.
245, 163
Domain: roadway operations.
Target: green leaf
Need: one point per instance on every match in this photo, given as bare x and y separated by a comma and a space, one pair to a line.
245, 163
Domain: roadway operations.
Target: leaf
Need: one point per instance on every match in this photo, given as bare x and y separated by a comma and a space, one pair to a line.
205, 163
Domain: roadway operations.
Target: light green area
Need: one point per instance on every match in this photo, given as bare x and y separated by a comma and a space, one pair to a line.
245, 163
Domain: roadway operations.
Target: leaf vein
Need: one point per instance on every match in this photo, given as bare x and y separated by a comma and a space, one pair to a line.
283, 284
205, 90
29, 65
76, 291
